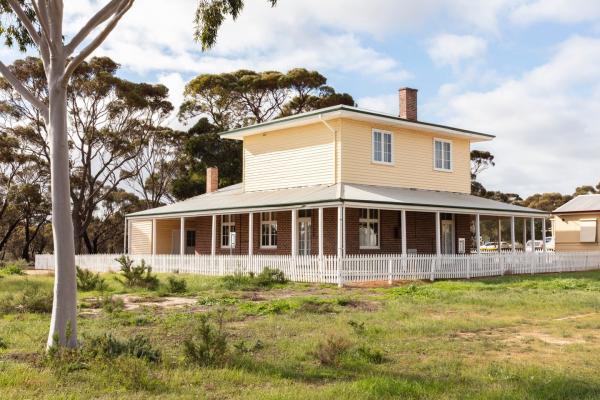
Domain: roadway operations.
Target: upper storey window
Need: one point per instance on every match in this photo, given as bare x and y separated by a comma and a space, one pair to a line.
442, 155
382, 147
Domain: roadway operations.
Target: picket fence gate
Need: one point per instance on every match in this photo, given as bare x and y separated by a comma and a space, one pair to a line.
351, 268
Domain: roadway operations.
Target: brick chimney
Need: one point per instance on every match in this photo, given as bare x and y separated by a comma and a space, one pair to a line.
408, 103
212, 179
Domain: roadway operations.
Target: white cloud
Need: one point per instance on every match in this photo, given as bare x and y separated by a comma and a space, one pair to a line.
545, 122
386, 103
448, 49
564, 11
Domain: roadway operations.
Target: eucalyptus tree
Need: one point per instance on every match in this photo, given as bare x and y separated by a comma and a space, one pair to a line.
112, 124
39, 24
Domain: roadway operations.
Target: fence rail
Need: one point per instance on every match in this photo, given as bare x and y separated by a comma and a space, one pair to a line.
355, 268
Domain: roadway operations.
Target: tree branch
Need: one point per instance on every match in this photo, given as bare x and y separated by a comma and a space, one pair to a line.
42, 15
23, 91
93, 45
14, 4
92, 24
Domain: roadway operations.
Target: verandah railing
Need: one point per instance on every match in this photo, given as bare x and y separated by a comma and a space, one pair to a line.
352, 268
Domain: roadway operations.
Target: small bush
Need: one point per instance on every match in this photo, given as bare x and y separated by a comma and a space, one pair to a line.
207, 346
31, 300
88, 281
314, 306
133, 374
137, 276
107, 346
268, 278
267, 308
370, 355
110, 304
16, 267
176, 285
330, 351
217, 301
3, 344
358, 327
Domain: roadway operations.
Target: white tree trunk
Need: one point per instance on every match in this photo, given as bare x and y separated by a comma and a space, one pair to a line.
63, 326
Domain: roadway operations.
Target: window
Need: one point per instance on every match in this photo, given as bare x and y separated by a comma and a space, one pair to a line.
442, 150
190, 238
368, 228
268, 230
227, 226
382, 147
587, 233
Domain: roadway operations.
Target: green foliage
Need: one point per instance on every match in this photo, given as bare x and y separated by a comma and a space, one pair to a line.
330, 351
15, 267
108, 346
216, 301
268, 278
134, 374
357, 327
33, 299
273, 307
207, 346
211, 14
3, 344
316, 306
111, 304
370, 355
175, 285
139, 276
88, 281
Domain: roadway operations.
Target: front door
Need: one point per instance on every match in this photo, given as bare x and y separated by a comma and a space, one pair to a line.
447, 237
304, 235
175, 236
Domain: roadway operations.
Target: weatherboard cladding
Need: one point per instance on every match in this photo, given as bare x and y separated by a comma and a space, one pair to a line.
232, 198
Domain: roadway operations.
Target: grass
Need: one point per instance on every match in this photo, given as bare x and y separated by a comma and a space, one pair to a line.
526, 337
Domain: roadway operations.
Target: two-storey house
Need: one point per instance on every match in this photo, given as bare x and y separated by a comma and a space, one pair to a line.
339, 180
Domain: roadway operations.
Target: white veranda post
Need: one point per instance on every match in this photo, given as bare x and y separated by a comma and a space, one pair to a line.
250, 234
438, 245
403, 231
321, 243
182, 236
294, 232
544, 233
513, 246
532, 234
213, 230
478, 233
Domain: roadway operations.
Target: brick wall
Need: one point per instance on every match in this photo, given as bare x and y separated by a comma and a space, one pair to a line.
420, 232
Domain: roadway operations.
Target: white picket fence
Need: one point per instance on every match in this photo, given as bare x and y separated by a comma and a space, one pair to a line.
351, 268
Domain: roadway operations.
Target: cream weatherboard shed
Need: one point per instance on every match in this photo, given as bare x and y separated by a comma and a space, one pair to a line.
337, 181
575, 224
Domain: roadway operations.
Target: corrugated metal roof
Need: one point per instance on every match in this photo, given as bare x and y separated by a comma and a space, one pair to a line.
586, 202
234, 198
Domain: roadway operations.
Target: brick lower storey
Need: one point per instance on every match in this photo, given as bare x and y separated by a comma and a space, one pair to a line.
420, 233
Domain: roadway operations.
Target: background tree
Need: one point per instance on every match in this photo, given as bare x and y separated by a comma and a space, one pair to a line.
113, 122
546, 201
39, 24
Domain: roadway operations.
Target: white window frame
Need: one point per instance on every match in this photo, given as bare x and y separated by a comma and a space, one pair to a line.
436, 140
268, 222
383, 133
369, 221
227, 221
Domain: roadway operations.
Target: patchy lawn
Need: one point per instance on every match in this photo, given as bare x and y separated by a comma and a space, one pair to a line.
528, 337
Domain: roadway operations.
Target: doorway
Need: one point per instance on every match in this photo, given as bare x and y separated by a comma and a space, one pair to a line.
304, 232
447, 236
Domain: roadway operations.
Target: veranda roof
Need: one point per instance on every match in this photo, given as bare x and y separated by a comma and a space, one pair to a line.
583, 203
234, 199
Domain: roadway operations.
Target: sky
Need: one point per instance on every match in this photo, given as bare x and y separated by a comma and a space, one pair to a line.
527, 71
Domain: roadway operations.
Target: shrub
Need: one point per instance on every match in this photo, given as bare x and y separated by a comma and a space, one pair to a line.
31, 300
207, 346
107, 346
88, 281
110, 304
15, 267
330, 351
270, 277
137, 276
3, 344
133, 374
358, 327
370, 355
176, 285
266, 279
